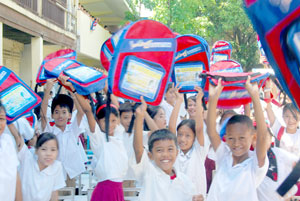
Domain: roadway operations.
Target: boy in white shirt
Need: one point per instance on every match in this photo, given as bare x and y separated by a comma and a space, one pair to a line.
160, 181
10, 185
67, 133
239, 172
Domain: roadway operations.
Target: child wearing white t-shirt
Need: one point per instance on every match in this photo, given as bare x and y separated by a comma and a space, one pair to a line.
192, 154
9, 178
239, 172
41, 174
67, 132
159, 179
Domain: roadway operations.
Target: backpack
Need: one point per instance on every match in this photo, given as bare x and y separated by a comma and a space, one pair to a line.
277, 24
16, 96
142, 62
63, 53
85, 79
221, 50
192, 58
234, 93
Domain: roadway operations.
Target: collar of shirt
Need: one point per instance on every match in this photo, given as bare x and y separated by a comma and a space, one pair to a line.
188, 155
50, 170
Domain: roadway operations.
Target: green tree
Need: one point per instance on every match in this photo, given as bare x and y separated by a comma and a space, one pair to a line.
212, 19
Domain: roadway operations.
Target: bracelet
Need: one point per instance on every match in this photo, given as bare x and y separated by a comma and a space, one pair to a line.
267, 90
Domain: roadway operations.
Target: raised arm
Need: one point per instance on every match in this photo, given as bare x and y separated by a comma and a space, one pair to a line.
214, 94
262, 141
199, 116
267, 95
44, 105
65, 82
175, 111
150, 122
138, 131
14, 131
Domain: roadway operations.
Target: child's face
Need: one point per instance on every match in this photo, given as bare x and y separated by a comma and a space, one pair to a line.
164, 153
61, 116
160, 119
2, 120
290, 120
113, 122
125, 119
170, 96
47, 154
191, 108
239, 138
185, 138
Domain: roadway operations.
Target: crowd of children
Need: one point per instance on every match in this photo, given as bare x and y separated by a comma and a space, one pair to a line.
165, 150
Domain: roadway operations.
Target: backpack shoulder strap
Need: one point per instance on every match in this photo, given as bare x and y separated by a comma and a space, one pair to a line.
279, 135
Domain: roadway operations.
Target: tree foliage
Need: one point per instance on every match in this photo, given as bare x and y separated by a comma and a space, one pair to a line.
212, 19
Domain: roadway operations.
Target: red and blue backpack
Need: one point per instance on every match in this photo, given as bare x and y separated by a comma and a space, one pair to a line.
142, 62
278, 26
63, 53
192, 58
221, 50
16, 96
233, 78
85, 79
108, 48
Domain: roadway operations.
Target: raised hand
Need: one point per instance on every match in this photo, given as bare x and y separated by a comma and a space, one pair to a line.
198, 198
179, 96
200, 93
49, 84
142, 108
215, 91
252, 88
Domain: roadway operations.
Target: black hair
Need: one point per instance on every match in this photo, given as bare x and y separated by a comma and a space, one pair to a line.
153, 110
291, 107
225, 113
125, 107
161, 134
2, 106
193, 98
44, 137
242, 119
37, 109
189, 123
101, 113
63, 101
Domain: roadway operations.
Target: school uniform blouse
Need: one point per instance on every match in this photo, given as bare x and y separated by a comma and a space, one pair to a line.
238, 182
38, 185
192, 164
70, 153
288, 142
8, 168
128, 143
112, 159
158, 186
285, 162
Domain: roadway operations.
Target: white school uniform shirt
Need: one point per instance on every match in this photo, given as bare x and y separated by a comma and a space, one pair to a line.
23, 127
158, 186
267, 189
38, 185
288, 142
8, 168
70, 153
112, 159
239, 182
128, 143
168, 111
192, 164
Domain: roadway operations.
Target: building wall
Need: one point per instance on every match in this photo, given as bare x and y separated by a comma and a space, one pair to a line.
89, 42
12, 53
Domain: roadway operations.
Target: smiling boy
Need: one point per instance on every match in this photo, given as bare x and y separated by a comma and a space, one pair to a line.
160, 181
239, 172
